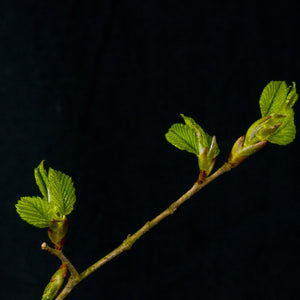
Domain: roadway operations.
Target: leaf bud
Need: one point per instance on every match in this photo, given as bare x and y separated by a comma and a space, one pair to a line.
57, 232
55, 283
263, 129
207, 157
240, 152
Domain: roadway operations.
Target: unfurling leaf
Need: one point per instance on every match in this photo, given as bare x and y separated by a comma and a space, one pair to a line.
240, 152
57, 202
41, 179
62, 192
273, 97
57, 232
263, 129
278, 99
184, 138
192, 138
276, 124
286, 133
35, 211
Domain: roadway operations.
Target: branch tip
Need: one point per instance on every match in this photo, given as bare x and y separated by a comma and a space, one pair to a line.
44, 246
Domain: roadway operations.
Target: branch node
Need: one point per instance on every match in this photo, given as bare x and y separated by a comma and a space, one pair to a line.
58, 253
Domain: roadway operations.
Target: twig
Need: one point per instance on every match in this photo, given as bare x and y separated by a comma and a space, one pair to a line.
131, 239
61, 256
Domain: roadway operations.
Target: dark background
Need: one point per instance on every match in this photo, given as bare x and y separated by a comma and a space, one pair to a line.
92, 87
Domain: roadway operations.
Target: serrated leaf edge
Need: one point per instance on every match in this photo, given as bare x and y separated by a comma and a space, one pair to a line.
32, 210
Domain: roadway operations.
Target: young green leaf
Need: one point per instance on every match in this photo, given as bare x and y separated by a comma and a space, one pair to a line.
62, 192
286, 132
35, 211
204, 139
189, 136
273, 98
192, 138
292, 96
41, 179
278, 99
183, 137
276, 125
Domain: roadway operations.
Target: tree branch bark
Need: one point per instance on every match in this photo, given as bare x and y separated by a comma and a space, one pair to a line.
131, 239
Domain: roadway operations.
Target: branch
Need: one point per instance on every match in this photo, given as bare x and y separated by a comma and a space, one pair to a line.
131, 239
60, 255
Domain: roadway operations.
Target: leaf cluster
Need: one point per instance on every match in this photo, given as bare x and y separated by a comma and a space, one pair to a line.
276, 125
277, 100
192, 138
57, 201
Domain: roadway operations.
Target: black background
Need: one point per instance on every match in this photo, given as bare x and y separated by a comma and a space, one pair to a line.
92, 87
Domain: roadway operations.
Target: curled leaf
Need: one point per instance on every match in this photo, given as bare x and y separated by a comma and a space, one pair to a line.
58, 198
278, 99
41, 179
192, 138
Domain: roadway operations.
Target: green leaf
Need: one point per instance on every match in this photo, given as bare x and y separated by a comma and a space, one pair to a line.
62, 192
292, 96
41, 179
286, 132
189, 136
273, 98
204, 139
192, 138
183, 137
35, 211
278, 99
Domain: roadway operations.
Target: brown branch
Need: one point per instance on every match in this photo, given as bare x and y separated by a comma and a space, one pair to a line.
131, 239
61, 256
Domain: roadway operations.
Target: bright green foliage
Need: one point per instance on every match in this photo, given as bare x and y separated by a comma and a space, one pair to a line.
192, 138
41, 179
62, 192
35, 211
203, 139
276, 124
183, 137
58, 198
263, 129
278, 99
